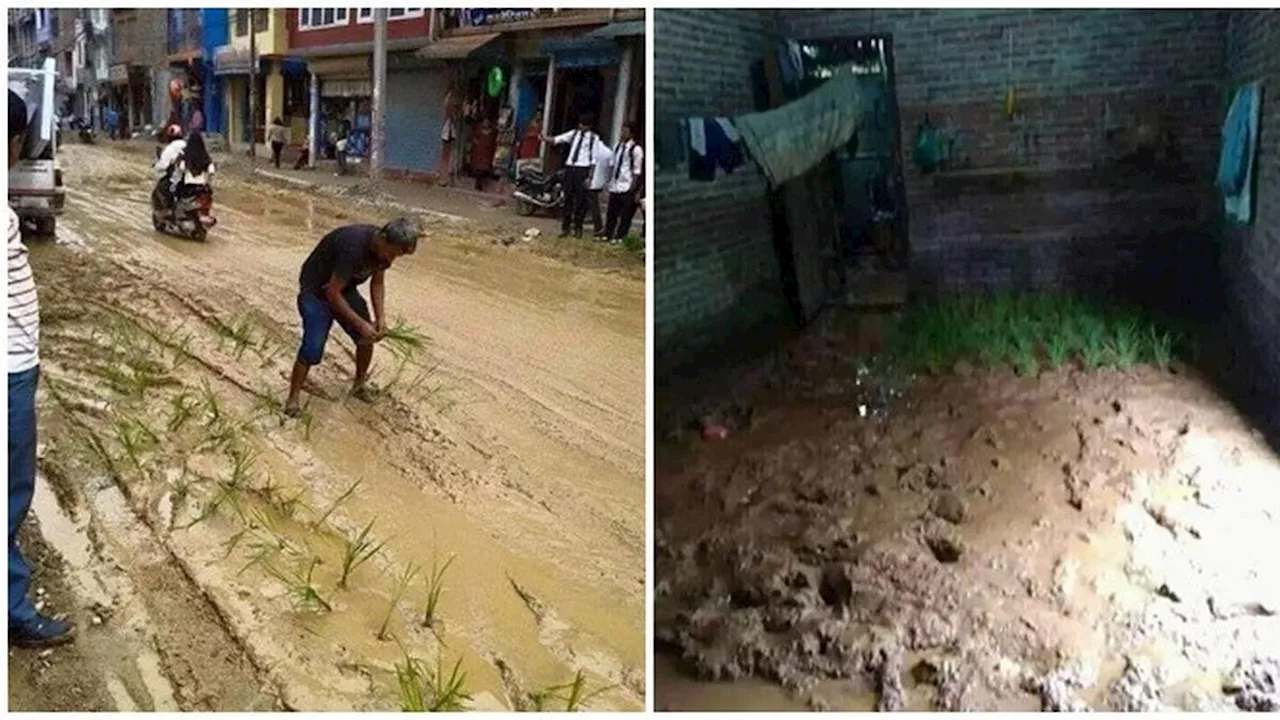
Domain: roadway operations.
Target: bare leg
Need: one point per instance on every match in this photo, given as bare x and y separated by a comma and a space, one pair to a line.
364, 356
292, 408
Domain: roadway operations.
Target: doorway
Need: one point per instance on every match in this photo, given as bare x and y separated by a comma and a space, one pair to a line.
870, 190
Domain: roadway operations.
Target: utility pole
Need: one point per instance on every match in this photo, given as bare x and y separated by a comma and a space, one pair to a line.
253, 85
377, 152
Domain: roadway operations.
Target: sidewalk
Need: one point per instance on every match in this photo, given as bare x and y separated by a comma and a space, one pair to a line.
448, 201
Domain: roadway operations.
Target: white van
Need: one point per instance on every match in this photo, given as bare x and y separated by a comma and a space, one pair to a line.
35, 181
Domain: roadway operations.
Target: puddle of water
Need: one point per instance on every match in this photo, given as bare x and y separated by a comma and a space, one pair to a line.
71, 540
674, 691
120, 694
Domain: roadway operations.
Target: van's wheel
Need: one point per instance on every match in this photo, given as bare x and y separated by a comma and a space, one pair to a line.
156, 223
46, 226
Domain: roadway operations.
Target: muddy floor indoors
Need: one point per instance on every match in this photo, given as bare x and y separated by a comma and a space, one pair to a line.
836, 533
484, 518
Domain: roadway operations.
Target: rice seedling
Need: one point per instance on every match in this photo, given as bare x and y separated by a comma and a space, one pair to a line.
1093, 341
1058, 348
242, 463
135, 438
210, 400
435, 587
1125, 344
239, 333
402, 584
1025, 361
183, 408
345, 496
305, 595
405, 340
288, 506
1161, 347
357, 550
308, 419
425, 690
573, 694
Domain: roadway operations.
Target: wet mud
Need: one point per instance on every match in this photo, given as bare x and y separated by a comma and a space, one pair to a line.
511, 447
975, 541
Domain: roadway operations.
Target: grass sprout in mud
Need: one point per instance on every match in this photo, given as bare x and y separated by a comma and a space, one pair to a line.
302, 588
337, 503
402, 584
405, 341
1033, 331
435, 587
357, 550
423, 689
569, 697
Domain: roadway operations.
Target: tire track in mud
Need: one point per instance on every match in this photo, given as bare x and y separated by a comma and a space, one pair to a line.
418, 461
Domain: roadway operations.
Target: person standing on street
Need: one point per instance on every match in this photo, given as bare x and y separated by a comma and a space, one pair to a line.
582, 144
277, 135
625, 186
27, 627
329, 290
600, 176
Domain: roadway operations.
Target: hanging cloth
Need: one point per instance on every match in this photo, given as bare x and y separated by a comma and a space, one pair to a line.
787, 141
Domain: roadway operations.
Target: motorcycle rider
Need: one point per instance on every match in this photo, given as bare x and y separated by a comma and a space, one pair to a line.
195, 167
169, 157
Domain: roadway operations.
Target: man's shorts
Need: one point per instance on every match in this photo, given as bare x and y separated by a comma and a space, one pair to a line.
317, 319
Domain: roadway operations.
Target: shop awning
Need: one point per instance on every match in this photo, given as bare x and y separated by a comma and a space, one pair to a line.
632, 28
457, 48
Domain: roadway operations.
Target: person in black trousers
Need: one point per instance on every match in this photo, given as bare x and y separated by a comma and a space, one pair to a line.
626, 181
582, 143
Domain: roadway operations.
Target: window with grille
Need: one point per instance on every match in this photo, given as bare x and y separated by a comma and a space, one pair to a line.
316, 18
365, 15
242, 23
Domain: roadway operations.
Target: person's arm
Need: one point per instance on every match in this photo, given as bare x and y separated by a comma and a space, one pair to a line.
377, 291
333, 293
560, 139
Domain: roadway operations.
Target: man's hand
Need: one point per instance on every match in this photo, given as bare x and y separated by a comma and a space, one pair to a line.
379, 330
368, 333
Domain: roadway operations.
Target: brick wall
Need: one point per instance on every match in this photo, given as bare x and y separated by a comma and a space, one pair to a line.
716, 273
1064, 223
1251, 254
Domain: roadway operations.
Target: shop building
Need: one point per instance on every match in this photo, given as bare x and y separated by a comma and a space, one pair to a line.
280, 83
556, 64
337, 44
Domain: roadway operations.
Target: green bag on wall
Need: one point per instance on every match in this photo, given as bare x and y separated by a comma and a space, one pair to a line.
929, 152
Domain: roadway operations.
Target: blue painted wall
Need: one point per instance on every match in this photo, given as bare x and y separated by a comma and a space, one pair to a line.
414, 114
214, 22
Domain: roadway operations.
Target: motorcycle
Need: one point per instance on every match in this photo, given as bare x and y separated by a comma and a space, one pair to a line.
189, 215
538, 191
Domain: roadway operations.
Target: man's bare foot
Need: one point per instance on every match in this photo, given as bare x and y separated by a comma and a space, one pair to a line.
292, 409
364, 393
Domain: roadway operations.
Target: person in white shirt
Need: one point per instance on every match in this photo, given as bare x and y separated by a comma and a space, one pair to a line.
169, 157
27, 626
626, 183
599, 182
582, 143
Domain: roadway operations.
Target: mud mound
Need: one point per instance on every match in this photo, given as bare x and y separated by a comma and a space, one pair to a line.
987, 542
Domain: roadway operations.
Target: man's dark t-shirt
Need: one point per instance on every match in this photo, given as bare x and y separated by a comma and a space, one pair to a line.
346, 252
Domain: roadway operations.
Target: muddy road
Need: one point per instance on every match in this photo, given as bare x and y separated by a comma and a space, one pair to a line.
187, 520
971, 541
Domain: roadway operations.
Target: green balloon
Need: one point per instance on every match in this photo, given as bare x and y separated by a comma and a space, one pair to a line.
496, 81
